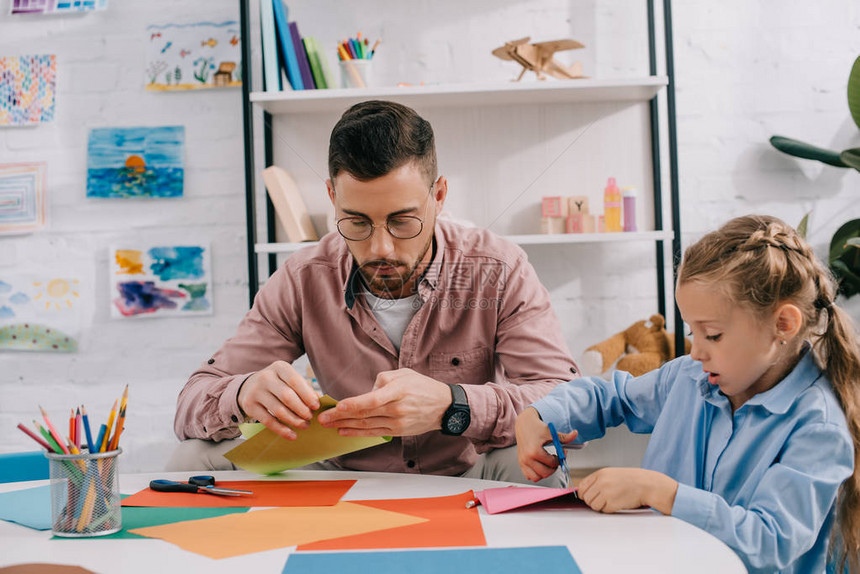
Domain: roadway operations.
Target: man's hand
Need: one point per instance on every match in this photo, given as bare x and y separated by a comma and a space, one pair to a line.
280, 398
613, 489
532, 433
402, 403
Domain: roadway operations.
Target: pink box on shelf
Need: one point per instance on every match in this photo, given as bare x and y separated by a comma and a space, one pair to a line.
574, 223
553, 207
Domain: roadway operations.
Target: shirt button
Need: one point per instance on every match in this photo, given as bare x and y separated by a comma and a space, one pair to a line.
410, 463
210, 361
455, 361
572, 370
234, 418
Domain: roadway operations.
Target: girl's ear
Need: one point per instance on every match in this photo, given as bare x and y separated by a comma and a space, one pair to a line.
789, 321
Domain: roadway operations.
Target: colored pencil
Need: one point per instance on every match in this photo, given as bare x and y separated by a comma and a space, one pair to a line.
54, 446
78, 437
72, 424
120, 421
114, 443
33, 436
86, 421
87, 512
104, 444
100, 438
53, 431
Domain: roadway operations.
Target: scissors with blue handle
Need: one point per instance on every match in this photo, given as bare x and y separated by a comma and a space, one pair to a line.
204, 484
559, 453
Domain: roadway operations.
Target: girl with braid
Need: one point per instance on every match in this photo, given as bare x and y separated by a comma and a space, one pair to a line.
755, 434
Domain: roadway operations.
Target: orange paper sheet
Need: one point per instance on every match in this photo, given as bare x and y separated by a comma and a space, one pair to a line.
260, 530
449, 523
266, 493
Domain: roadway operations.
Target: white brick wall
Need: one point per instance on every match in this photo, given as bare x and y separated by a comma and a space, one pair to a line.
745, 71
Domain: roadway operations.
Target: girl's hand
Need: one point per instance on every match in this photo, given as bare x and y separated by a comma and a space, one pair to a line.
612, 489
532, 433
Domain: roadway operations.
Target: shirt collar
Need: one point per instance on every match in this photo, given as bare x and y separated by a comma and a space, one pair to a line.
431, 275
778, 399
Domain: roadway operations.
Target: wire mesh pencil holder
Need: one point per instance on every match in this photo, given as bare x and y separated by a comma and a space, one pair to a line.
85, 499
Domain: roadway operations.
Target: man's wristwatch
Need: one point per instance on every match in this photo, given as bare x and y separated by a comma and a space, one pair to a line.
456, 419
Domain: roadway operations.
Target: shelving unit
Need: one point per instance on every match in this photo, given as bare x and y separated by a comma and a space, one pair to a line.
541, 239
635, 91
487, 94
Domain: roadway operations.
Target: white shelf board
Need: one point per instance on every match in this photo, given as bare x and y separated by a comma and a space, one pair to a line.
495, 93
555, 239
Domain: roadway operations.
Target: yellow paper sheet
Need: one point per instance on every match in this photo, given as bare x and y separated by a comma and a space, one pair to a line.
260, 530
267, 453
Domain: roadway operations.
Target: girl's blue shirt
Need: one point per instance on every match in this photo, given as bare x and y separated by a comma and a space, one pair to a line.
763, 479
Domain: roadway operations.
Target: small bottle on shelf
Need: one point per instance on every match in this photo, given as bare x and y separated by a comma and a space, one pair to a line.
612, 206
629, 208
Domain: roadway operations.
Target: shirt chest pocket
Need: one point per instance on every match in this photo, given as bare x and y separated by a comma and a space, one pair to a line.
472, 367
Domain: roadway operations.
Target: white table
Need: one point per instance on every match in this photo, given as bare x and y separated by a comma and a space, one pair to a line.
641, 541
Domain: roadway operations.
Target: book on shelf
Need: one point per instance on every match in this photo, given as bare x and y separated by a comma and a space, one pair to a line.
289, 205
302, 57
271, 71
285, 41
323, 63
314, 61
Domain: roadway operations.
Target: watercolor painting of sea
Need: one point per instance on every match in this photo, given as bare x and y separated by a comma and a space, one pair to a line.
139, 162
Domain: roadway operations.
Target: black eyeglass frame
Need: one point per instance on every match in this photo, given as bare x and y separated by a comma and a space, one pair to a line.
386, 225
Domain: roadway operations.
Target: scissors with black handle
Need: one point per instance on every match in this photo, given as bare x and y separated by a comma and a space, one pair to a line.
195, 484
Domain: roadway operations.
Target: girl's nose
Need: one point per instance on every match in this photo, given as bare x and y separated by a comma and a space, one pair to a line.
696, 352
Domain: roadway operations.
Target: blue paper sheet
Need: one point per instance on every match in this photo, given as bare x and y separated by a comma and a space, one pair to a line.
30, 507
495, 560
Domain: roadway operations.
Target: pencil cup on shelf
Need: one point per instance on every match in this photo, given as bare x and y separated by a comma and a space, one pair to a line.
85, 499
356, 73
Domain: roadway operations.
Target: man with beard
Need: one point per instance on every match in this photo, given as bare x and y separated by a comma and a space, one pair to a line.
424, 330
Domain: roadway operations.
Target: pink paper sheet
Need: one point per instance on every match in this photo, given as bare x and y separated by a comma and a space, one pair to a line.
495, 500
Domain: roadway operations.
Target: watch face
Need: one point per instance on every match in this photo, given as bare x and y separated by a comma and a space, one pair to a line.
458, 422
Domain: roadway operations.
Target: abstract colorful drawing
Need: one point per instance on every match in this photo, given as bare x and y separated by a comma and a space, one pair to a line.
40, 313
160, 281
193, 56
22, 197
136, 162
56, 6
27, 88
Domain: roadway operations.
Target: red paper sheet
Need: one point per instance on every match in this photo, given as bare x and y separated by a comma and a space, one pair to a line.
449, 523
266, 493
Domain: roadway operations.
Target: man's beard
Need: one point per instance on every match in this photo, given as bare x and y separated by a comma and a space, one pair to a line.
390, 286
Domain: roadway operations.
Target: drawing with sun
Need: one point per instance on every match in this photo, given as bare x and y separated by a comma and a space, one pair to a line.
39, 314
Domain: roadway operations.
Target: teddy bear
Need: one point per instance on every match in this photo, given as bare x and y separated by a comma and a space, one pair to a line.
647, 345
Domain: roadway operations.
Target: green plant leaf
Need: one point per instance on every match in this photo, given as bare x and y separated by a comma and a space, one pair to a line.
854, 92
807, 151
838, 244
851, 157
803, 226
853, 242
849, 283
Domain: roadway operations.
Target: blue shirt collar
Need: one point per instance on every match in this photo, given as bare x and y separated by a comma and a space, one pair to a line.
778, 399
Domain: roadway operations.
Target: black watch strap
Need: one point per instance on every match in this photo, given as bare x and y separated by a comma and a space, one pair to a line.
458, 396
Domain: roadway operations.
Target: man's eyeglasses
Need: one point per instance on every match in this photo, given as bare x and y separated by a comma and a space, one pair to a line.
399, 226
